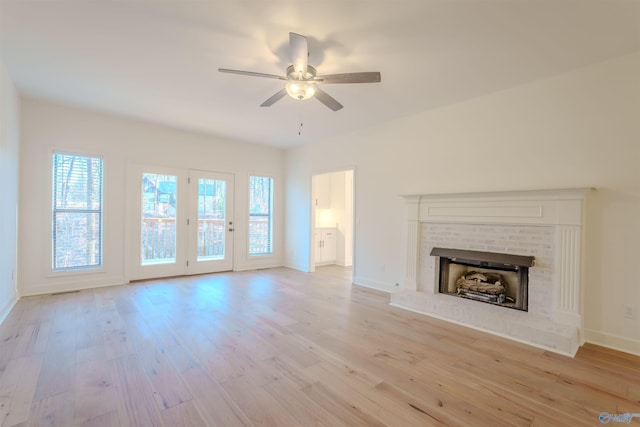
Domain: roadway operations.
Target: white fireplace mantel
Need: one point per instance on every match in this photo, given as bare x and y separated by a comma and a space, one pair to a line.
562, 209
534, 207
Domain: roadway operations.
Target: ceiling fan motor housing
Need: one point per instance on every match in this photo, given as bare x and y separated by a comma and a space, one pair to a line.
293, 75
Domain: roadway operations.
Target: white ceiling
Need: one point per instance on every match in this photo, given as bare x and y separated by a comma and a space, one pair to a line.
158, 60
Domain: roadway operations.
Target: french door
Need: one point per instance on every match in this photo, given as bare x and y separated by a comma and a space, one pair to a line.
184, 222
210, 223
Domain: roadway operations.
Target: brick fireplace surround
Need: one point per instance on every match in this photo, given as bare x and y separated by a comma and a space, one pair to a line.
546, 224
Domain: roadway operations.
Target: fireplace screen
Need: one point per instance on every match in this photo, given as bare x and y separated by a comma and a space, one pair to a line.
490, 277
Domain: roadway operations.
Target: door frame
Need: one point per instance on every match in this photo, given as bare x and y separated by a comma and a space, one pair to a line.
312, 224
132, 256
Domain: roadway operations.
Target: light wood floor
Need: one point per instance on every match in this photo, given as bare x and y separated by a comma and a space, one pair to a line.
283, 348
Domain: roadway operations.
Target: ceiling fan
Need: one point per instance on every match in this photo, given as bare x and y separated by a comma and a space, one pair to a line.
302, 80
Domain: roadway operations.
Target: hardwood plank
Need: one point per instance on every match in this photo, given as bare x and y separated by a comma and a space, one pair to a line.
163, 335
613, 359
168, 387
299, 350
183, 415
506, 406
258, 405
53, 411
58, 367
6, 351
135, 401
95, 394
17, 389
213, 404
96, 353
106, 420
32, 339
89, 331
288, 348
304, 410
342, 409
117, 343
283, 366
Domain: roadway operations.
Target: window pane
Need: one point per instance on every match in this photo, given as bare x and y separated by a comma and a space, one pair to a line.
78, 182
260, 215
77, 212
77, 241
211, 218
159, 198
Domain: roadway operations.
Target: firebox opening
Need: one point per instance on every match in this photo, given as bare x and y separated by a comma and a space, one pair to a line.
494, 278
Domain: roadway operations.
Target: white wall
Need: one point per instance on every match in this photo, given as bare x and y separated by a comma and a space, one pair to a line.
574, 130
9, 155
47, 126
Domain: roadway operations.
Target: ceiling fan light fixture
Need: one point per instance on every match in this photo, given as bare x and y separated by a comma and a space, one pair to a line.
300, 89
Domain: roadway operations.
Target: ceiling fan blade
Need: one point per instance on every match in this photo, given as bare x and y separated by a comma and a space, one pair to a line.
327, 99
366, 77
299, 53
251, 73
275, 98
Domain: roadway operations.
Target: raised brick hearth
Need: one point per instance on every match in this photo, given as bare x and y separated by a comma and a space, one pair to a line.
547, 225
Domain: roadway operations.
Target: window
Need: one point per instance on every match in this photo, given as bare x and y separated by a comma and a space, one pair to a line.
260, 215
77, 212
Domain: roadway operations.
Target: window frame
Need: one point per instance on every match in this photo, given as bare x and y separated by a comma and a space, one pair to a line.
270, 215
84, 269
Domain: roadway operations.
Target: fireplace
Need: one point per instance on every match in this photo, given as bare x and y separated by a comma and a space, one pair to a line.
489, 277
545, 226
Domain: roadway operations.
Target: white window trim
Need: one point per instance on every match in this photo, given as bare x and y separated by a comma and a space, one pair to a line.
48, 215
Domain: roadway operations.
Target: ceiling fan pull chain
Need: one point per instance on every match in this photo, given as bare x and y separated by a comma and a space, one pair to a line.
300, 120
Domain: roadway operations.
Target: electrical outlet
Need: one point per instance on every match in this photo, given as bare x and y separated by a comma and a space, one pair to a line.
629, 312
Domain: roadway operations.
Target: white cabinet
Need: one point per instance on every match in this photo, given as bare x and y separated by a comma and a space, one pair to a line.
325, 245
323, 191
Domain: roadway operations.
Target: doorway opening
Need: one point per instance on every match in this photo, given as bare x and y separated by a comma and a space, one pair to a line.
332, 219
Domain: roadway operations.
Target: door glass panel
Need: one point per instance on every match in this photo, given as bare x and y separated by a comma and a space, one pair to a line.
159, 198
211, 218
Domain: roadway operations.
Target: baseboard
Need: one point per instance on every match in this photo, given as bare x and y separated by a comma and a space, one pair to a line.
6, 309
70, 287
258, 265
320, 264
368, 283
614, 342
295, 266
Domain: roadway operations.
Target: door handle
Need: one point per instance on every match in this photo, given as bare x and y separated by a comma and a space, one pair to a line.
231, 229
